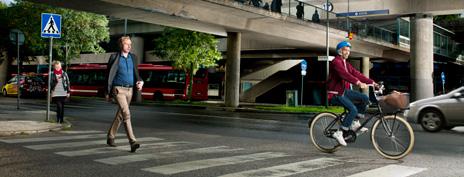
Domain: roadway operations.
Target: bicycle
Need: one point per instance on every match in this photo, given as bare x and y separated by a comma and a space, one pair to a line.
391, 135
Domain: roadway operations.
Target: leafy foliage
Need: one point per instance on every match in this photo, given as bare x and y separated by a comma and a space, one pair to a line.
189, 50
81, 31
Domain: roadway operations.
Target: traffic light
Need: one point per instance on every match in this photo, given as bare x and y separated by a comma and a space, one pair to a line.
350, 35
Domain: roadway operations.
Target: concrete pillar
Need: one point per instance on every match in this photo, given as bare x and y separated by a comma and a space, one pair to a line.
137, 47
365, 67
421, 62
232, 82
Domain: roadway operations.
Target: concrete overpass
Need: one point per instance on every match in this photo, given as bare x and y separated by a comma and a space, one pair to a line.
247, 27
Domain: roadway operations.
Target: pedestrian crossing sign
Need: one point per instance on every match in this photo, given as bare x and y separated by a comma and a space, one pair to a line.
51, 26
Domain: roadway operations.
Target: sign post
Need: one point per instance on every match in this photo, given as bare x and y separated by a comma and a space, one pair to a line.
17, 37
443, 81
50, 28
304, 66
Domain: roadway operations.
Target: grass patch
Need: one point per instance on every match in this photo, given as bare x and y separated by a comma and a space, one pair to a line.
302, 109
176, 102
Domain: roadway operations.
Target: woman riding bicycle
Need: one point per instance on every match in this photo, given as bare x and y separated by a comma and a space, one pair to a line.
342, 74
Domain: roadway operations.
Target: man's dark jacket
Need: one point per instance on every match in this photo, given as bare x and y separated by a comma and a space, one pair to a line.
112, 69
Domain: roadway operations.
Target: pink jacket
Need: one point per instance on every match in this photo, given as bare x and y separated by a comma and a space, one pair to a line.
340, 76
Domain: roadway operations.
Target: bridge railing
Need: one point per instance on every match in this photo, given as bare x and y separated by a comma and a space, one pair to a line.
397, 33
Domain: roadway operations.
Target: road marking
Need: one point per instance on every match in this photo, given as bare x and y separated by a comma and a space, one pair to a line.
170, 154
54, 138
105, 150
84, 143
212, 116
289, 169
390, 171
207, 163
80, 132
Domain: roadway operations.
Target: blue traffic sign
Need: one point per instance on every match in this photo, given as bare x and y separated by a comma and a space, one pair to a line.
304, 65
51, 26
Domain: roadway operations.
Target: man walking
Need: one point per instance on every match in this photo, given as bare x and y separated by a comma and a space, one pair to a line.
123, 75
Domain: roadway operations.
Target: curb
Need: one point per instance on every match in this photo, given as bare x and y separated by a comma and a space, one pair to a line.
50, 128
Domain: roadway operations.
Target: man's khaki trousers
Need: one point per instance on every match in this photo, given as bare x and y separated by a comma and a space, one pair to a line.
123, 98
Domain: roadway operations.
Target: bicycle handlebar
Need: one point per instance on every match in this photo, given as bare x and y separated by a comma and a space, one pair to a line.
378, 91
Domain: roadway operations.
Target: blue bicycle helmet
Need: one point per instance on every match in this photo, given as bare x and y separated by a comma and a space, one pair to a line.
343, 44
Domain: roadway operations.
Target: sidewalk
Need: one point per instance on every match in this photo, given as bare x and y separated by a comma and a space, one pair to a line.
26, 120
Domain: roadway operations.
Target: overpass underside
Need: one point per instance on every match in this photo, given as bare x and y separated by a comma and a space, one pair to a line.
250, 28
260, 29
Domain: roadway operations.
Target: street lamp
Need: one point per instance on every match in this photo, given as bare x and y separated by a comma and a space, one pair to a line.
17, 37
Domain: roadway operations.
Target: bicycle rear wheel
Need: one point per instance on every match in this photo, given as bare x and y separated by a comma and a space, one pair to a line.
393, 137
321, 129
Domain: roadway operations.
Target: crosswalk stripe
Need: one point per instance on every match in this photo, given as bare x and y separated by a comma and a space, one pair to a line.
170, 154
84, 143
105, 150
289, 169
390, 171
80, 132
207, 163
54, 138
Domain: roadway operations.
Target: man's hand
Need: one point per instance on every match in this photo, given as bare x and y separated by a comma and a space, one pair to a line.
376, 86
362, 85
107, 98
139, 85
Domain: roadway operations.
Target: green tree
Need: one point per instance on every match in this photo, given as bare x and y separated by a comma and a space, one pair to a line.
80, 31
188, 50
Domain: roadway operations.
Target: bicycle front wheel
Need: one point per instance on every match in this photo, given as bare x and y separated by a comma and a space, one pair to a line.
321, 129
392, 137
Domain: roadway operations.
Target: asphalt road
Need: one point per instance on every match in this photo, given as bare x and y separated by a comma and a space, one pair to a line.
198, 142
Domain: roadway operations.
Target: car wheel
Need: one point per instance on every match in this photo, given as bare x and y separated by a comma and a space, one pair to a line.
5, 93
431, 120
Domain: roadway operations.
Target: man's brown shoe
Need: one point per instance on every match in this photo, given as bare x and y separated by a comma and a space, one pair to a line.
110, 142
134, 146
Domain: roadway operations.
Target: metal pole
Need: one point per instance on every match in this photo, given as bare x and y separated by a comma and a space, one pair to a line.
18, 86
443, 86
49, 79
125, 26
347, 19
327, 53
289, 8
66, 56
302, 82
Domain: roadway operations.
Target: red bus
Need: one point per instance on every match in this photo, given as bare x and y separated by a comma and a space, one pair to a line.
161, 82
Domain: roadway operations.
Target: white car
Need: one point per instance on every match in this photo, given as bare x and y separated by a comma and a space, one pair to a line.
440, 112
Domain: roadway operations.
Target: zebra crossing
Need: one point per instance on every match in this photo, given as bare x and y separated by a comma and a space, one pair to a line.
93, 144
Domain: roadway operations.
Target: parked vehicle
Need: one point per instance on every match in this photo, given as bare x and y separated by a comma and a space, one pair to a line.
440, 112
30, 86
